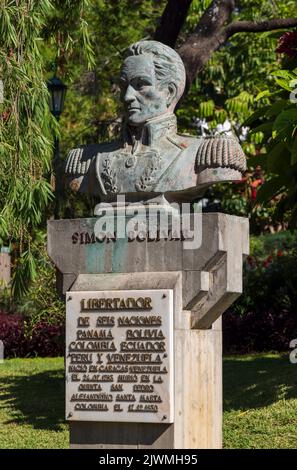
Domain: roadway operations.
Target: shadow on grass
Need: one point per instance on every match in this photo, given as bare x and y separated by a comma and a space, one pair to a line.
249, 382
37, 400
257, 382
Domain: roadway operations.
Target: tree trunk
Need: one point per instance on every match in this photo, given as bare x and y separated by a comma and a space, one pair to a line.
212, 31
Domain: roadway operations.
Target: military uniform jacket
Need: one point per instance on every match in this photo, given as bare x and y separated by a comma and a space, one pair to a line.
154, 160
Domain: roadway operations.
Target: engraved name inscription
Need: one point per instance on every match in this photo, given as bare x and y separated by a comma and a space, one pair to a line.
89, 238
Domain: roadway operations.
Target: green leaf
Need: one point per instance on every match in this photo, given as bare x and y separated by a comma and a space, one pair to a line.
283, 83
270, 189
276, 108
266, 128
255, 116
282, 74
206, 108
276, 158
262, 94
257, 137
285, 120
294, 152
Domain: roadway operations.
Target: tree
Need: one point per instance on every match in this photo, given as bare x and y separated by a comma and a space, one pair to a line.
224, 90
87, 39
225, 72
26, 129
215, 27
114, 25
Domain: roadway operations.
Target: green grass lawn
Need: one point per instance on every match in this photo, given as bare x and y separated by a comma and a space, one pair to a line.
32, 404
260, 403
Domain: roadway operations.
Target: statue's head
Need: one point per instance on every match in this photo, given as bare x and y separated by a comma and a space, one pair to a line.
152, 81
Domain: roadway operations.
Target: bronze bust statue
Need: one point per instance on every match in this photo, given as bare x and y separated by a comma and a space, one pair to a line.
151, 158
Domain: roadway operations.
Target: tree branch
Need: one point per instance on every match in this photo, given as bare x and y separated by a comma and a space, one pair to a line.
212, 31
172, 20
215, 17
206, 38
259, 26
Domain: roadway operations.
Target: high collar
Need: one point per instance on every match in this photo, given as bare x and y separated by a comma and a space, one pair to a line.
151, 132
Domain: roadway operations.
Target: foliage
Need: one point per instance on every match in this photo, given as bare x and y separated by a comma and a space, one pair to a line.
41, 301
278, 121
34, 324
264, 317
288, 44
230, 82
25, 146
44, 340
239, 198
93, 106
12, 335
26, 126
87, 39
226, 91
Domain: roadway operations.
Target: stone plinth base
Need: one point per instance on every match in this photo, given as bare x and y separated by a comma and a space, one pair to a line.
204, 280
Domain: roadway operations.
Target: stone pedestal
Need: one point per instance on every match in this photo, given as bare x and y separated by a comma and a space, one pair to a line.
204, 281
5, 268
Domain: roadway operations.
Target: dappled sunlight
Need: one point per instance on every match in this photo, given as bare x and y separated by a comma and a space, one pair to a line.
36, 400
258, 381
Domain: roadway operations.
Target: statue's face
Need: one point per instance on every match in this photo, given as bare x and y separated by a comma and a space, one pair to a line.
142, 94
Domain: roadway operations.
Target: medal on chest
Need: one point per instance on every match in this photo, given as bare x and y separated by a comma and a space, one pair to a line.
140, 169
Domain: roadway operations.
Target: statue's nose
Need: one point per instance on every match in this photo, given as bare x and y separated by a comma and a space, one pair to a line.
129, 95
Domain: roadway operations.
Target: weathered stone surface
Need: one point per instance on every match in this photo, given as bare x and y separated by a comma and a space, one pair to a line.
151, 158
211, 273
204, 281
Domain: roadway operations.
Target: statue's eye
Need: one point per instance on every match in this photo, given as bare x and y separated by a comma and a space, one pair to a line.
139, 83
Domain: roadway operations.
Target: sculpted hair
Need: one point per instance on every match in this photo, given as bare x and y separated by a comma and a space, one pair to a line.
168, 64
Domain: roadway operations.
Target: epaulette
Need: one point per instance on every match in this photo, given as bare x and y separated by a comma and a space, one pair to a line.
76, 164
221, 151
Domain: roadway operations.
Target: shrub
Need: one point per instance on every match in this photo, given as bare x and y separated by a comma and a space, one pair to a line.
34, 326
264, 317
12, 335
44, 340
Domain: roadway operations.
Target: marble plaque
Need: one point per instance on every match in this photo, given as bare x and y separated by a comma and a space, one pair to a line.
119, 356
